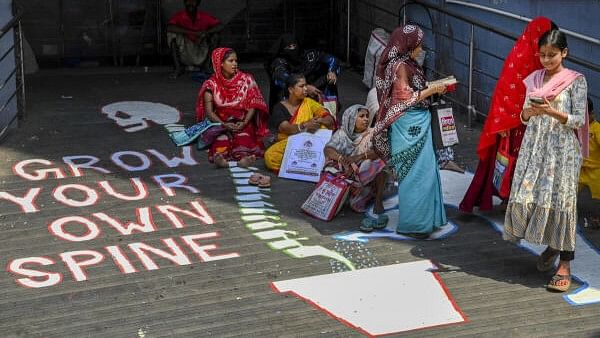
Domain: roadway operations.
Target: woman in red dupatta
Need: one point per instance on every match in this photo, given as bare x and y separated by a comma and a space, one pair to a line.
232, 98
503, 117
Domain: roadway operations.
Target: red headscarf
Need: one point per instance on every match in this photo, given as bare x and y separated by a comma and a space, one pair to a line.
509, 94
398, 80
238, 93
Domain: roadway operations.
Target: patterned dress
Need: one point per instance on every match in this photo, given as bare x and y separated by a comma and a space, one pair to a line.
542, 208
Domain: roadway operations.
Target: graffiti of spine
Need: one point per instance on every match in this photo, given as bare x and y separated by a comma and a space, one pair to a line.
77, 228
265, 222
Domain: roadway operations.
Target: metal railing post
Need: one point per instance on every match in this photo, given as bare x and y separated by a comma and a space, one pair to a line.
470, 108
20, 85
348, 33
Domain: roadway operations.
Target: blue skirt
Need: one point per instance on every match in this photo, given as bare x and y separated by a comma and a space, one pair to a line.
420, 199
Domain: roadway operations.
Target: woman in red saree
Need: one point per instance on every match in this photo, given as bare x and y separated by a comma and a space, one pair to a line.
503, 117
232, 98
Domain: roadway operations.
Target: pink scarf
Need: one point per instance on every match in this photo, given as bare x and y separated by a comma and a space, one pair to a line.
536, 87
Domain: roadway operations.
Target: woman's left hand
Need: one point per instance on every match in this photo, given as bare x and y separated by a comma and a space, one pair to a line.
544, 108
331, 77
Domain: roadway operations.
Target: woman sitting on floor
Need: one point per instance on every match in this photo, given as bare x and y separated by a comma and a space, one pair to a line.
232, 98
294, 115
350, 152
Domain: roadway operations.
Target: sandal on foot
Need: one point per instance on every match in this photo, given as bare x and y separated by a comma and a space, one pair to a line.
547, 259
554, 286
254, 179
415, 235
366, 225
381, 222
264, 181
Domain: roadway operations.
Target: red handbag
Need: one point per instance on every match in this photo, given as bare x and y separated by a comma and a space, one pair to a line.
328, 197
504, 167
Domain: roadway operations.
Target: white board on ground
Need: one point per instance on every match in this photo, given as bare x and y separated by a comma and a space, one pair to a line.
381, 300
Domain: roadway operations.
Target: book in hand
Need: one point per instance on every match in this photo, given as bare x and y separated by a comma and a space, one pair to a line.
450, 83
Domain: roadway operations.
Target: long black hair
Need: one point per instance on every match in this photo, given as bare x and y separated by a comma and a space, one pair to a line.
554, 38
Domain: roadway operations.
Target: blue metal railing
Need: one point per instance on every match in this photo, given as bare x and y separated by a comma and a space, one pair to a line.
16, 74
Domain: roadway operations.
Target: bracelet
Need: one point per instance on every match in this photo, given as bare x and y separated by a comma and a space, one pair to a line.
366, 156
300, 129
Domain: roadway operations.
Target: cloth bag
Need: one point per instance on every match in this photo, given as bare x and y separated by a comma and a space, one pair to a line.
443, 125
503, 168
205, 132
327, 199
377, 43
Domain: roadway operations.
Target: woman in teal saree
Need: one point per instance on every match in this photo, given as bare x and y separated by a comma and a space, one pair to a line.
402, 135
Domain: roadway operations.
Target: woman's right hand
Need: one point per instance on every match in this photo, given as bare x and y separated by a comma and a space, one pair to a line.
311, 126
312, 91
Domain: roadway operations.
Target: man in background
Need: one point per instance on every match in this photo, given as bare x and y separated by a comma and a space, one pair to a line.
191, 35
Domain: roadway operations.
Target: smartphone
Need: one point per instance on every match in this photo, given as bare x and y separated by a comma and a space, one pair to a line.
536, 100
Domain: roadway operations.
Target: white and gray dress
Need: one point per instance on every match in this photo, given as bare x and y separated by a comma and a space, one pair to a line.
542, 208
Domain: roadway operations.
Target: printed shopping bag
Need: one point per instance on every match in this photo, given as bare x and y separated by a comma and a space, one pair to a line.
328, 197
503, 168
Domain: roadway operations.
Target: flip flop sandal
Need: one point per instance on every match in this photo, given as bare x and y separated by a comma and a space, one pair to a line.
366, 225
553, 286
415, 235
254, 179
546, 260
264, 181
381, 222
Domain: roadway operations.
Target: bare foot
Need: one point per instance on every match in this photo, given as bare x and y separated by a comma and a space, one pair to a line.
246, 161
378, 208
564, 268
221, 162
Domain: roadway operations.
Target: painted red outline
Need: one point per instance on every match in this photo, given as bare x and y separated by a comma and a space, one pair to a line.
67, 186
180, 160
60, 275
168, 189
130, 152
83, 271
35, 196
138, 216
132, 183
152, 260
60, 170
350, 325
117, 263
75, 169
191, 242
176, 220
51, 231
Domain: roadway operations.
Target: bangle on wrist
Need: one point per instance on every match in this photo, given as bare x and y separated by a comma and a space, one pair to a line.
366, 156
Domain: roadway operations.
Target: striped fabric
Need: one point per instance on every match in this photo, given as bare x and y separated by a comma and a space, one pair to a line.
539, 225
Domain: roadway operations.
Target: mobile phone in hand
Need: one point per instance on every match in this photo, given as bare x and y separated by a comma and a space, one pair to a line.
537, 100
